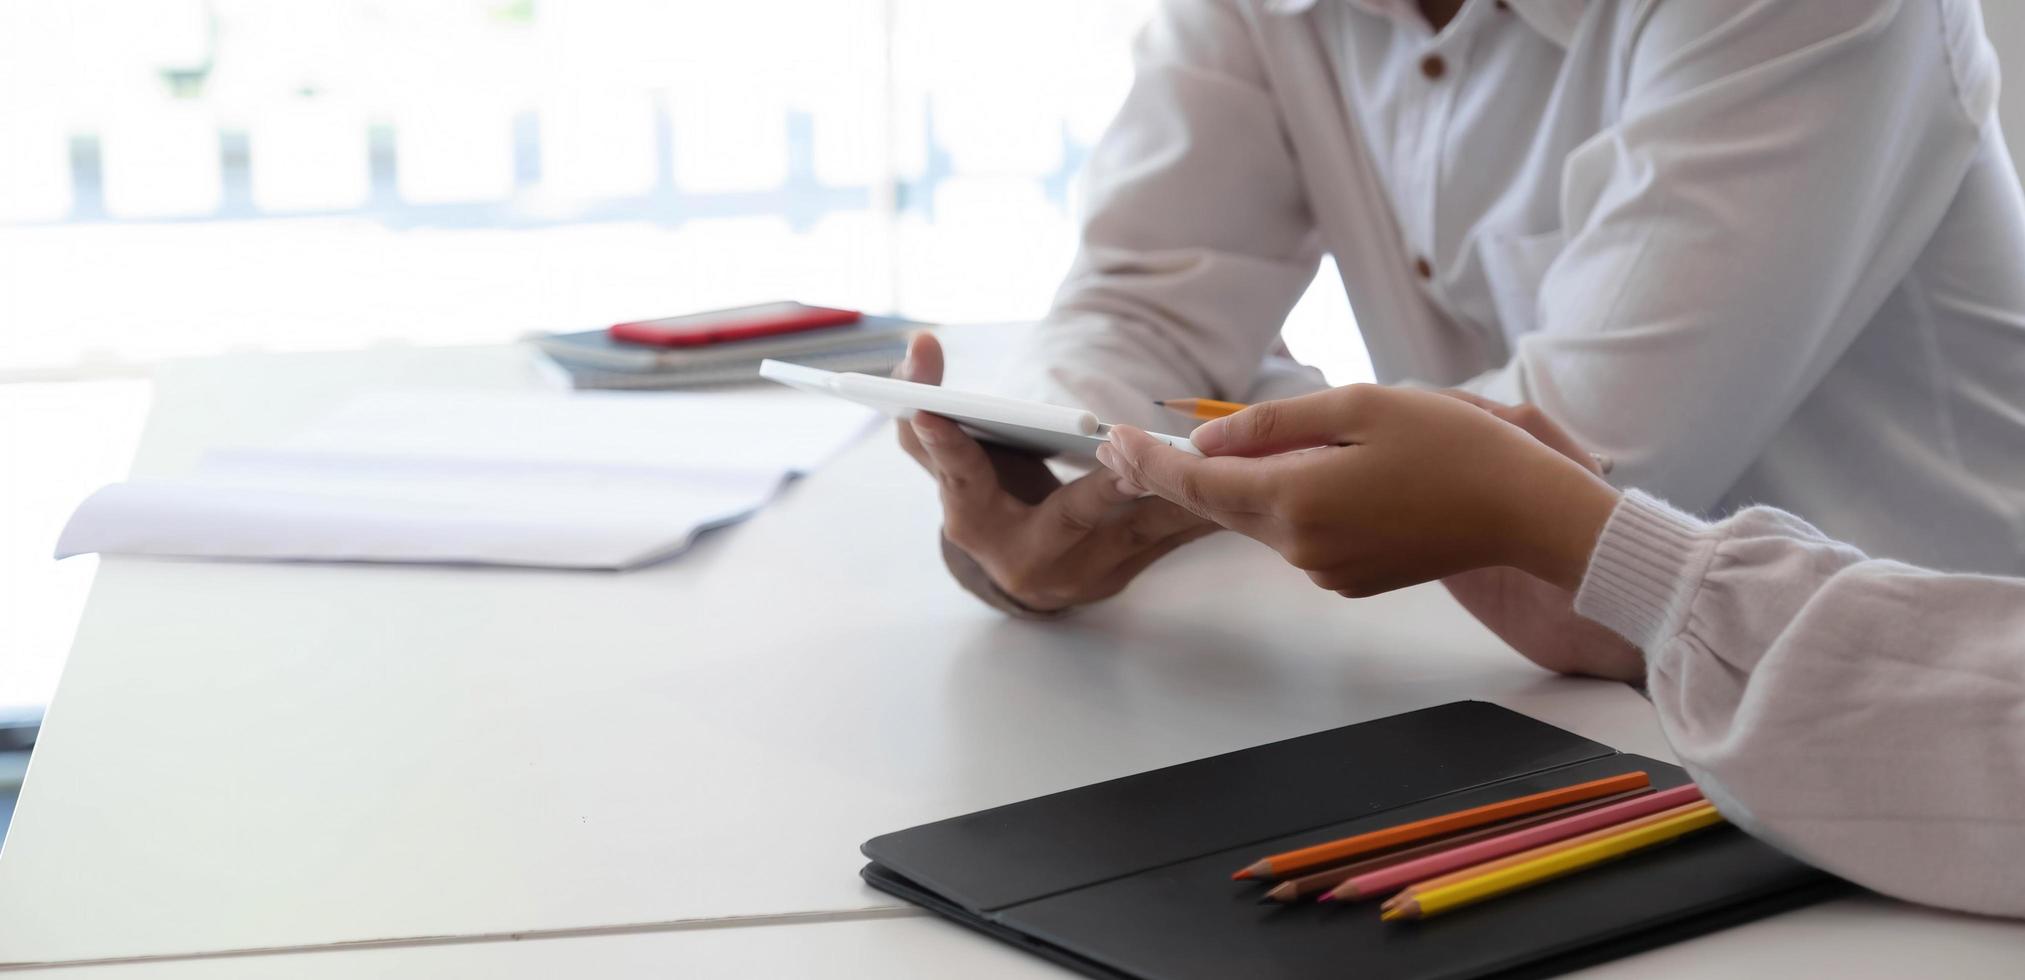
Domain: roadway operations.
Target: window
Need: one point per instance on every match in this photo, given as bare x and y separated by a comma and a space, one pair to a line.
336, 173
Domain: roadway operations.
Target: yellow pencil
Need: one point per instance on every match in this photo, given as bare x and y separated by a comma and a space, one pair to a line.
1514, 860
1201, 408
1434, 901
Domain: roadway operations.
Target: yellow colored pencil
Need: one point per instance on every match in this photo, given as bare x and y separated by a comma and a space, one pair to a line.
1201, 408
1532, 854
1435, 901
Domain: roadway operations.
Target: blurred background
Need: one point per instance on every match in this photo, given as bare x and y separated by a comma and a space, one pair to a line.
181, 178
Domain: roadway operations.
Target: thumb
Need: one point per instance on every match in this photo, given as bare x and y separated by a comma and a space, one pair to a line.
923, 364
1325, 418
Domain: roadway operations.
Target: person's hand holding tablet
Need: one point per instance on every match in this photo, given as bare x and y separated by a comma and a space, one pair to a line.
1370, 489
1018, 537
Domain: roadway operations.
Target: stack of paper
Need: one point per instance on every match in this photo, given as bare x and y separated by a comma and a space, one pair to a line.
509, 478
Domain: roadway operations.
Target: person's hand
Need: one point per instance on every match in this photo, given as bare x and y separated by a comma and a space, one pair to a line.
1370, 489
1018, 537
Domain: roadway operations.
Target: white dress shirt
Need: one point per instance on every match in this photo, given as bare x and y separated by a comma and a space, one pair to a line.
1757, 251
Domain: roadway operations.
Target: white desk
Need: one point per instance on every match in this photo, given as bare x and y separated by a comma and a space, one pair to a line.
1868, 938
1865, 939
275, 757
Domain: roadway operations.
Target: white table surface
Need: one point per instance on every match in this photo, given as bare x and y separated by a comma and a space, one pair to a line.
1862, 938
252, 756
1859, 939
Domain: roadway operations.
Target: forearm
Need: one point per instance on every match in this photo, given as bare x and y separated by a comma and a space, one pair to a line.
1196, 236
1863, 714
1554, 518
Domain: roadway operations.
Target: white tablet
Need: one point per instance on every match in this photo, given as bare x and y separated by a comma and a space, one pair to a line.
1032, 426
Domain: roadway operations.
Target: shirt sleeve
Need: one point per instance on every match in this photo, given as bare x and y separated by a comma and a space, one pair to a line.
1197, 238
1773, 172
1865, 715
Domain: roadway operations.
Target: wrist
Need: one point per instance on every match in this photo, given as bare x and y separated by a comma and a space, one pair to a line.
1560, 524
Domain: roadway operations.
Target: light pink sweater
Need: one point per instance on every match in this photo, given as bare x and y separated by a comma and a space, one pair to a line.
1865, 715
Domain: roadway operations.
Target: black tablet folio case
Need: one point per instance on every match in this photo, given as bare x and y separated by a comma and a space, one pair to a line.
1132, 877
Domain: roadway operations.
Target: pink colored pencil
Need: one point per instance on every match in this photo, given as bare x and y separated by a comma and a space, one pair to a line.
1422, 869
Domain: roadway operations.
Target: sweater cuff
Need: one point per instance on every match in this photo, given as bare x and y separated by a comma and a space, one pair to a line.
1646, 569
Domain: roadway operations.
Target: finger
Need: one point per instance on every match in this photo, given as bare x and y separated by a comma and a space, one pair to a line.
911, 444
1215, 489
1103, 503
1149, 523
1083, 505
1325, 418
923, 363
972, 502
1106, 563
1139, 560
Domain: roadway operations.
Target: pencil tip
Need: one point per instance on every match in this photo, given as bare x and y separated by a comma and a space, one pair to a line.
1326, 897
1241, 874
1404, 910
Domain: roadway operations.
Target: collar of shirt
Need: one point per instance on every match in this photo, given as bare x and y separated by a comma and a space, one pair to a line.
1554, 19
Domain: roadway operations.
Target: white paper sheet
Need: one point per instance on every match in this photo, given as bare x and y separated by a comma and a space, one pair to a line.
550, 479
756, 429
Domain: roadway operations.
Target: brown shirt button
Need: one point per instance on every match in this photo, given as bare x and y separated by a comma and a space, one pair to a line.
1432, 66
1421, 267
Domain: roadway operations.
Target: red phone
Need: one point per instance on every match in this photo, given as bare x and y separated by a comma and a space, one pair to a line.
738, 323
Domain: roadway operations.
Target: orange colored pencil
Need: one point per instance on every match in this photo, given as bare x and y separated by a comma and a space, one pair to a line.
1201, 408
1289, 863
